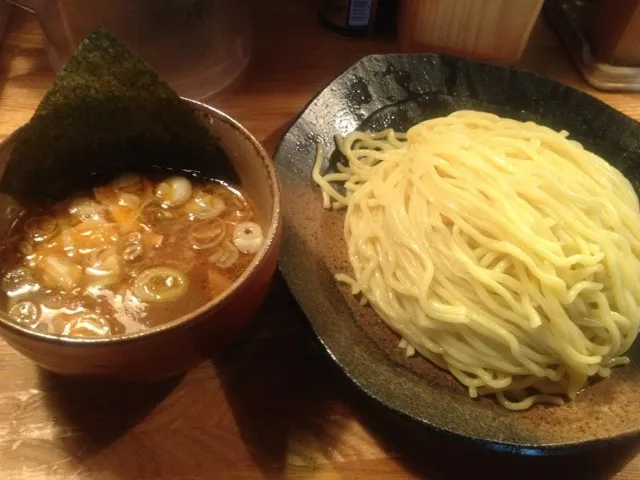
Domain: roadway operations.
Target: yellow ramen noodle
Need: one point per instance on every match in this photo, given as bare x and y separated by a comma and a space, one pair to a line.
501, 251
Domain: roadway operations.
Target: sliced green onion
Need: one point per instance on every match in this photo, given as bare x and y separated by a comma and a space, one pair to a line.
39, 229
25, 312
160, 284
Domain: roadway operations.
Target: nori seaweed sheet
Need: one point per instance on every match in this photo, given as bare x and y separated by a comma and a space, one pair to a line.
107, 112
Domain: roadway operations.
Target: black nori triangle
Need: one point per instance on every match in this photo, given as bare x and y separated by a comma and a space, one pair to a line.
107, 111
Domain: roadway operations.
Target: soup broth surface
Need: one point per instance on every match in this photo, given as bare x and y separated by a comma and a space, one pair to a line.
130, 255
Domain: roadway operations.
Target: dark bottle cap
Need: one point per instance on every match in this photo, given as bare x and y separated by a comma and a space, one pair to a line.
351, 18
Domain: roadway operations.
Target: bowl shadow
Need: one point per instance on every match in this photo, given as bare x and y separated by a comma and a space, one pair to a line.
425, 453
284, 397
94, 414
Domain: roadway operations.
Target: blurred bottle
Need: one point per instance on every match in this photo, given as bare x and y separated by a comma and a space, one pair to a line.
349, 17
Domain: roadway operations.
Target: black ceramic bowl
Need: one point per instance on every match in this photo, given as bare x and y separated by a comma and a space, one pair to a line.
399, 91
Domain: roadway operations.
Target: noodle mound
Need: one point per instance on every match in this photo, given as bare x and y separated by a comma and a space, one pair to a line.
500, 250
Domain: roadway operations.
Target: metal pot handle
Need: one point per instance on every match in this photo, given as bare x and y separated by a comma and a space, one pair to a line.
29, 5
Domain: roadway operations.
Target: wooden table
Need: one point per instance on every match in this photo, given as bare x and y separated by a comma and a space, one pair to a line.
272, 406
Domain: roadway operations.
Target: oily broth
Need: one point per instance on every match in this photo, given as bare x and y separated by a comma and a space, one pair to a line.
79, 267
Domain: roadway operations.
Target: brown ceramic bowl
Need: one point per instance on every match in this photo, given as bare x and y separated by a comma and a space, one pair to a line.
173, 347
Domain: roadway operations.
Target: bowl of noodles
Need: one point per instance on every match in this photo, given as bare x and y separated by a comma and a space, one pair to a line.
474, 234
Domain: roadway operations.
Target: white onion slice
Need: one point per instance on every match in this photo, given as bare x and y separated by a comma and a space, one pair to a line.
81, 324
174, 191
95, 288
85, 209
18, 282
132, 252
159, 219
207, 234
126, 207
60, 272
104, 263
247, 237
225, 255
129, 200
204, 205
128, 182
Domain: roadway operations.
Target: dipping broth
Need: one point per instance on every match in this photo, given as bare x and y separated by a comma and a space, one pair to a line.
127, 256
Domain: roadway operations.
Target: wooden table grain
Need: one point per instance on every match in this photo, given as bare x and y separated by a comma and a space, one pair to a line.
272, 405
